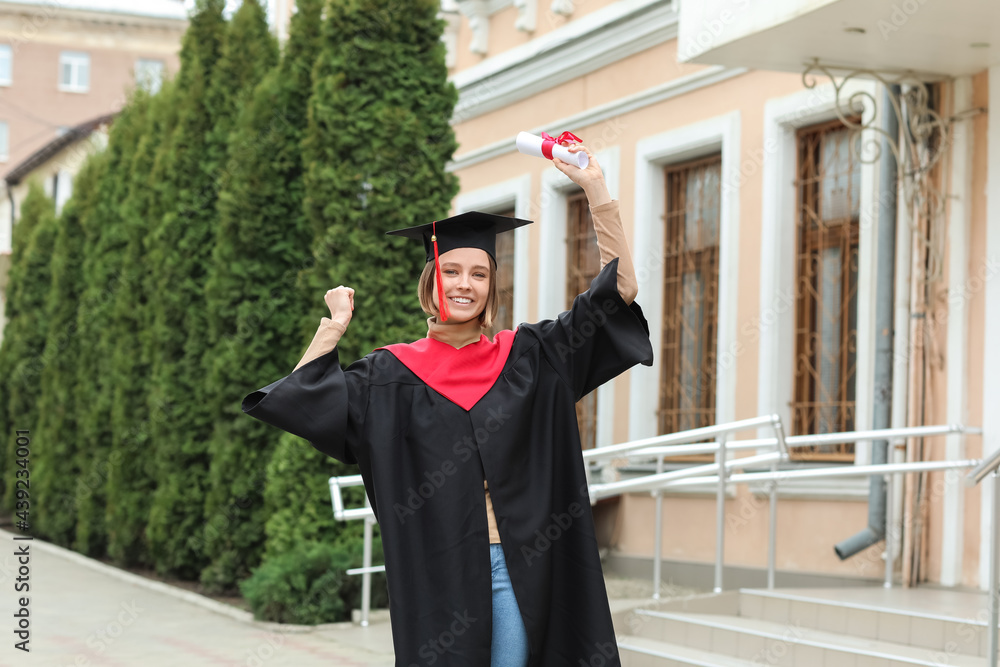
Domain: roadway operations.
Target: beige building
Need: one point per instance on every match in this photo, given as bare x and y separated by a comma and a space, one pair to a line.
62, 63
755, 215
755, 201
65, 69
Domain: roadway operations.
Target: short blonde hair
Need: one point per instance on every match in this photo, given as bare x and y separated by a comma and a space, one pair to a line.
425, 291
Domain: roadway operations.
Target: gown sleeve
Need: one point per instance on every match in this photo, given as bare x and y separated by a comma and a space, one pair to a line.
598, 338
318, 401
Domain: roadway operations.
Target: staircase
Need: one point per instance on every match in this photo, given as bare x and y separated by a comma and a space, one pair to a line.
847, 627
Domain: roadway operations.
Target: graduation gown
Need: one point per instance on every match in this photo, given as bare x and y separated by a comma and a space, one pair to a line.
426, 435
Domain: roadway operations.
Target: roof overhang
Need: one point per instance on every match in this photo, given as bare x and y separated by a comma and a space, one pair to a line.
935, 39
51, 149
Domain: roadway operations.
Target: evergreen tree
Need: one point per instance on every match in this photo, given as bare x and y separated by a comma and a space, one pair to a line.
132, 477
297, 496
172, 522
103, 252
188, 233
253, 300
376, 148
27, 324
248, 54
54, 461
378, 140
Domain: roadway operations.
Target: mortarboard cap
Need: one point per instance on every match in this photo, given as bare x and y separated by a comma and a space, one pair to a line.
466, 230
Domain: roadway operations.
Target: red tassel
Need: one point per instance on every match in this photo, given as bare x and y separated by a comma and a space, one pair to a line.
442, 302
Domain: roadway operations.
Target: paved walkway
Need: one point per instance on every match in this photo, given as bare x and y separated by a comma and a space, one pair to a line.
83, 613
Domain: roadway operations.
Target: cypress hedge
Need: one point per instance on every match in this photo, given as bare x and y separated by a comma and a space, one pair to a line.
27, 325
104, 245
132, 477
54, 461
178, 257
253, 299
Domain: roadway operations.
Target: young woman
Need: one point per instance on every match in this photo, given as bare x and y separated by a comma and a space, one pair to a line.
470, 451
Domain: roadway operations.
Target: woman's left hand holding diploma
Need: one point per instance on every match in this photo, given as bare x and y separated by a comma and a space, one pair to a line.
591, 178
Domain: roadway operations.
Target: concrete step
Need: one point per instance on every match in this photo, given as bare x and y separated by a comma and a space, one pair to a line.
644, 652
787, 644
955, 625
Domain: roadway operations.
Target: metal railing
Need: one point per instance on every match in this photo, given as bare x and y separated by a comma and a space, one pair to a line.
721, 474
656, 483
702, 475
676, 444
988, 466
365, 513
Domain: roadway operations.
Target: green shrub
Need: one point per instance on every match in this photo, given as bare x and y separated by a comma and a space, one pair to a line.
309, 585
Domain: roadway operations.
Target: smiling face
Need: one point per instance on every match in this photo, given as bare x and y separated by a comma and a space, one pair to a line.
466, 276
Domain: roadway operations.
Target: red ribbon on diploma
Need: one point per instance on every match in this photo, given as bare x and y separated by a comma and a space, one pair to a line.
548, 141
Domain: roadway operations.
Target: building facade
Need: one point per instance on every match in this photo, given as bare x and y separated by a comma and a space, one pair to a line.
62, 63
749, 150
743, 145
65, 69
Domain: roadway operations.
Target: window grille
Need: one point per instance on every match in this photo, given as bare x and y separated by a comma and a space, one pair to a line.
828, 184
690, 296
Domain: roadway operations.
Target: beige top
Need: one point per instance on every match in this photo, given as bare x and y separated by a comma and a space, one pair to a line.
610, 241
491, 518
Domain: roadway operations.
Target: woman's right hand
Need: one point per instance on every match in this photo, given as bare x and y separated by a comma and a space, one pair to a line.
341, 303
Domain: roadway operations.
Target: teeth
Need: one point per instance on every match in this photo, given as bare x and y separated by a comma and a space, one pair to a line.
460, 299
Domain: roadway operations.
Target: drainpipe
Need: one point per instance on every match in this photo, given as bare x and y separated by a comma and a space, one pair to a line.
884, 286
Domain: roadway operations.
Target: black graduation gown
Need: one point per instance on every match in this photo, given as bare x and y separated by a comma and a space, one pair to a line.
423, 459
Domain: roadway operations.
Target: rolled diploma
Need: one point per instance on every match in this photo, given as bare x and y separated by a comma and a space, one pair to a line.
529, 144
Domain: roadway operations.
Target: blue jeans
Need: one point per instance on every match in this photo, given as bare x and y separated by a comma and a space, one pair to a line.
510, 640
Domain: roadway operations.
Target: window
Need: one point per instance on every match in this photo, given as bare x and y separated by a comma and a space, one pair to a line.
583, 263
6, 65
74, 71
505, 279
62, 189
149, 74
826, 295
690, 295
4, 141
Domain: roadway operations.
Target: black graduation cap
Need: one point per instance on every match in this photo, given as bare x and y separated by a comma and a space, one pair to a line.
465, 230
